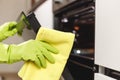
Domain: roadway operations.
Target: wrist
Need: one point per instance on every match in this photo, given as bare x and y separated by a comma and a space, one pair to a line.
2, 36
14, 55
4, 56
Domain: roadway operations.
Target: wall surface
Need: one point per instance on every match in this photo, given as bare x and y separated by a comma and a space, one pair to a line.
9, 11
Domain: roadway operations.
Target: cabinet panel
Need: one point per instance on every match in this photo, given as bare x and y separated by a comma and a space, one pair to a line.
102, 77
107, 34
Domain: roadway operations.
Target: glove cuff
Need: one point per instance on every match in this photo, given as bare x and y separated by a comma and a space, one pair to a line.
4, 55
12, 53
2, 36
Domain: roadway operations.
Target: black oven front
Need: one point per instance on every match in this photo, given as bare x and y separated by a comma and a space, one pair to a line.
78, 18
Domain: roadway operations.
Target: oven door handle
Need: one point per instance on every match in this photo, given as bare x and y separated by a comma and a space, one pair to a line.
82, 65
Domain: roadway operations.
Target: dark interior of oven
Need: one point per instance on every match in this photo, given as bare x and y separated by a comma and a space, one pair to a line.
78, 18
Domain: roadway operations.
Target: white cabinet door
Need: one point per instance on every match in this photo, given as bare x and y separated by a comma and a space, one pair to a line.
107, 34
102, 77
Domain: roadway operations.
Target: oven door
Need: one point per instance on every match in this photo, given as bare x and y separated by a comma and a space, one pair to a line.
79, 68
78, 18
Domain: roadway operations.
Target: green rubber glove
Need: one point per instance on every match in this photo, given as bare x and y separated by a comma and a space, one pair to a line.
8, 29
3, 53
32, 50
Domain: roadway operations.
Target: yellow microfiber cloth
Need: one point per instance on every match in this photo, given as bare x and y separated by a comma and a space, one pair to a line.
63, 41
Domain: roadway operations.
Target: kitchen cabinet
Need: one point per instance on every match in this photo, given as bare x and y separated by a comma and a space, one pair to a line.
102, 77
107, 30
107, 39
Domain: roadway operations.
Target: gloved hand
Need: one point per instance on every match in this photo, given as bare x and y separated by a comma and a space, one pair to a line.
32, 50
8, 29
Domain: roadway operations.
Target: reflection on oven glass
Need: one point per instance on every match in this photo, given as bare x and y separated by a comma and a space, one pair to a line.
83, 51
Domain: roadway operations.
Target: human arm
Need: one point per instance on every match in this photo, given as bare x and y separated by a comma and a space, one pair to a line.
31, 50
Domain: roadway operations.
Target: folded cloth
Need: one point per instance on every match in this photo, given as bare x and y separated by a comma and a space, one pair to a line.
63, 41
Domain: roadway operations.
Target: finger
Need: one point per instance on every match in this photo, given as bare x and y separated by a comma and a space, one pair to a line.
49, 47
42, 60
47, 55
11, 33
12, 25
37, 62
14, 31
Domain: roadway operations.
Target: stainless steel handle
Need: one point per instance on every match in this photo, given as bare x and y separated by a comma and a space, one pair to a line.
82, 65
80, 11
116, 73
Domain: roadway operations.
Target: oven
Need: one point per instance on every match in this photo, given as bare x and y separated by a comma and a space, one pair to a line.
79, 18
